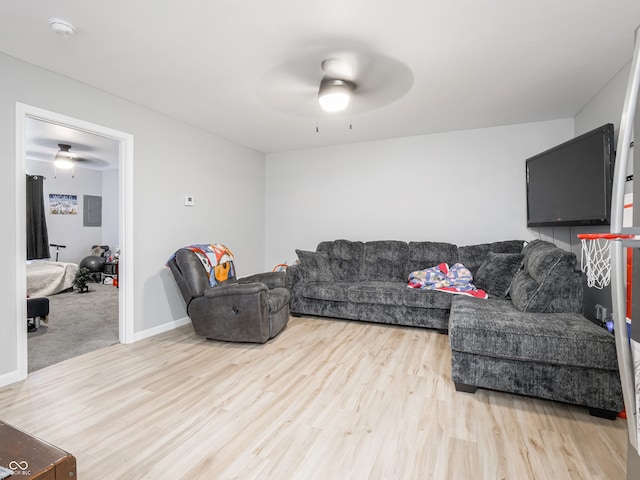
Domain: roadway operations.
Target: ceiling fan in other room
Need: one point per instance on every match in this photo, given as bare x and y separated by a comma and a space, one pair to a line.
65, 159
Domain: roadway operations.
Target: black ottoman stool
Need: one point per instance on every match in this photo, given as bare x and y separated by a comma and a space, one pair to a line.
37, 308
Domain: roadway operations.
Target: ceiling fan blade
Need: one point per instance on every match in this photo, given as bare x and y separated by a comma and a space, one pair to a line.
91, 162
291, 88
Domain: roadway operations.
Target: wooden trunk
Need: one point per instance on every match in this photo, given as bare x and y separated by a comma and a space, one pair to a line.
30, 456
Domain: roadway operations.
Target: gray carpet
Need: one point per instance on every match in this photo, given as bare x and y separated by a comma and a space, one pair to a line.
78, 323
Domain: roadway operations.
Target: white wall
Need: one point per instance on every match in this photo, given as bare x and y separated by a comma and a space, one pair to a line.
606, 107
462, 187
110, 227
68, 229
171, 159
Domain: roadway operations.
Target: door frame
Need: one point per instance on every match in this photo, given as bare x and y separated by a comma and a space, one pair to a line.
125, 222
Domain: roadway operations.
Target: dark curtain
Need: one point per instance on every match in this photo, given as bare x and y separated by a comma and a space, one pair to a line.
37, 237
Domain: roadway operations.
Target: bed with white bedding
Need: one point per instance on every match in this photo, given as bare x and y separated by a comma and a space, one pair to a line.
48, 278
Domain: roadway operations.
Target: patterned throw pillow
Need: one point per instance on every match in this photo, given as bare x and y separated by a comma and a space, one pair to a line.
316, 266
496, 272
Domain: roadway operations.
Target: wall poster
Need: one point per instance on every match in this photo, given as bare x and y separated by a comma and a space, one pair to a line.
61, 204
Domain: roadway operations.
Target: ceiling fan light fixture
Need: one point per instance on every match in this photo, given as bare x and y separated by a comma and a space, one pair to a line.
64, 163
334, 95
64, 158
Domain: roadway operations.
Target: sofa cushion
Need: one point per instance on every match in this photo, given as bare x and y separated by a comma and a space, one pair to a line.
473, 256
384, 261
429, 254
494, 328
315, 265
333, 291
419, 298
543, 260
345, 258
381, 293
569, 297
548, 281
497, 271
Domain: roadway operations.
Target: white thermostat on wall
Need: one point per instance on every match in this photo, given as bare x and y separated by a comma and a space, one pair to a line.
188, 200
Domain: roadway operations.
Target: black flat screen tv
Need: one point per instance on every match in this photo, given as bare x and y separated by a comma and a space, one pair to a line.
571, 184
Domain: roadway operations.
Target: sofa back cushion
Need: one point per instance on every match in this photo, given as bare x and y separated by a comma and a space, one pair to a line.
345, 258
315, 265
473, 256
429, 254
384, 261
548, 281
496, 273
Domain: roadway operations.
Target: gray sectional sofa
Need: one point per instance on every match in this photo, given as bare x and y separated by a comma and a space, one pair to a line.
529, 337
368, 281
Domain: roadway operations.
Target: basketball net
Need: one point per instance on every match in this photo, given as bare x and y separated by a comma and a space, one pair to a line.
596, 253
595, 262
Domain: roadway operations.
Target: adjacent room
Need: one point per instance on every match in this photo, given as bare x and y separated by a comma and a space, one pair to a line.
72, 223
334, 240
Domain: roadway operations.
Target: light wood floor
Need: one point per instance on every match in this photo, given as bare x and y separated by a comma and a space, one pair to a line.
325, 400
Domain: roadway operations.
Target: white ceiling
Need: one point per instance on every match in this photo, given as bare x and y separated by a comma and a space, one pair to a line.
89, 150
248, 70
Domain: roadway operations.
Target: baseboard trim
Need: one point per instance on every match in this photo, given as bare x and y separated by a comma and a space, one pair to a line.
11, 377
165, 327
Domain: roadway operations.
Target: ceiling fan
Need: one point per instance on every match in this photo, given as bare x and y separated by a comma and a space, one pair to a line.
331, 80
66, 160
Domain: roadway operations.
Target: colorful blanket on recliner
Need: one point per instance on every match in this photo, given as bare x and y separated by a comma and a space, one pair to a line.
216, 259
456, 280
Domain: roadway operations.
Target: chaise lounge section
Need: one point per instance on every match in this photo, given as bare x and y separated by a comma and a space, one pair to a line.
537, 342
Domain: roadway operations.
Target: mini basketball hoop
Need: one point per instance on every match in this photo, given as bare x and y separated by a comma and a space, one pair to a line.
595, 257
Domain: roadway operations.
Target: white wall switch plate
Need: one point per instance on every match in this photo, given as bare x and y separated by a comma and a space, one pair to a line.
188, 200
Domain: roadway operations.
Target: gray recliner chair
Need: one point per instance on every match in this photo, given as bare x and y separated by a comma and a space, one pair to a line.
250, 309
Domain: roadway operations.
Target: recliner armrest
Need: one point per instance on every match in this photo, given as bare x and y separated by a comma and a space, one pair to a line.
235, 289
270, 279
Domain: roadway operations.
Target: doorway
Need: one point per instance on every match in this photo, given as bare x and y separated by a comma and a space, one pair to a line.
125, 209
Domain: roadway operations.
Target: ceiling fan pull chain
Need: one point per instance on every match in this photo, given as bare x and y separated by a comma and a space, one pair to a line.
351, 115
